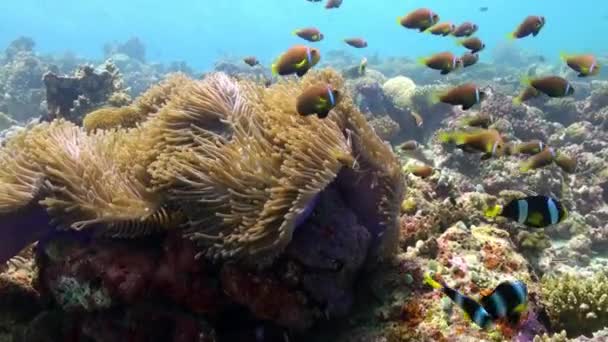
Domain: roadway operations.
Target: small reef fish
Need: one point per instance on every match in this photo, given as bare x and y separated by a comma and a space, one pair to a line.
585, 65
410, 145
420, 19
251, 61
482, 120
465, 95
311, 34
547, 156
473, 43
318, 99
465, 29
358, 43
552, 86
417, 119
314, 0
297, 60
422, 171
441, 29
483, 9
530, 26
444, 61
488, 141
533, 211
507, 301
531, 147
363, 66
333, 4
469, 59
472, 309
528, 93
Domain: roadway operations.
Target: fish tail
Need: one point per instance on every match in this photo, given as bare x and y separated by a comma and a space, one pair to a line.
447, 137
526, 166
274, 68
492, 212
434, 97
459, 42
399, 21
510, 36
563, 56
517, 100
526, 81
421, 60
294, 32
431, 282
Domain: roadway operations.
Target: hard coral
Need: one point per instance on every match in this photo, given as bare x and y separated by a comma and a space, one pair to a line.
578, 305
71, 97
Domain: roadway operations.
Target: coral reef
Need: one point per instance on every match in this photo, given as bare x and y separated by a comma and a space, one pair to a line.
580, 306
71, 97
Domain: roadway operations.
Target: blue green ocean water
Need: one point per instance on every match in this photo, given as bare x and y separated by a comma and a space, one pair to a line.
202, 31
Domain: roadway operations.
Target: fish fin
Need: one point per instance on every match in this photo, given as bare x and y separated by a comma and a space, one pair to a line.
535, 218
294, 32
493, 212
399, 21
301, 72
467, 106
517, 101
486, 156
422, 60
526, 81
510, 36
459, 42
525, 166
521, 308
444, 137
274, 69
431, 282
434, 97
445, 72
301, 64
563, 56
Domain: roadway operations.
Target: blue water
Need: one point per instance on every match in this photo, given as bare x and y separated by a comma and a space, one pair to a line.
203, 31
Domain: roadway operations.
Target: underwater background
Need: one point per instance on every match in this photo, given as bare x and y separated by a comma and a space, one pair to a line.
303, 170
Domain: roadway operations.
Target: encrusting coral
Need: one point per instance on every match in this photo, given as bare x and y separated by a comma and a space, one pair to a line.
233, 157
577, 305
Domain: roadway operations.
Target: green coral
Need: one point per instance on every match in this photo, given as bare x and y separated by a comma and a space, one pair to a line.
72, 294
576, 304
535, 241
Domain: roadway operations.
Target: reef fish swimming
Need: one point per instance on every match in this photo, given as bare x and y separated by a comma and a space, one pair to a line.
507, 301
444, 61
547, 156
251, 61
333, 4
297, 60
469, 59
552, 86
465, 95
585, 65
420, 19
488, 141
472, 309
465, 29
318, 99
441, 29
311, 34
533, 211
356, 42
529, 92
473, 43
530, 26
